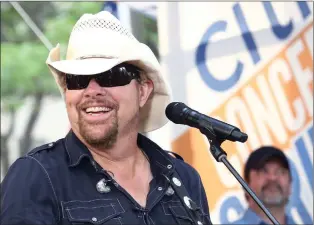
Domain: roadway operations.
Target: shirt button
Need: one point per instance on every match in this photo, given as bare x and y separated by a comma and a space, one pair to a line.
169, 166
199, 223
94, 219
50, 145
159, 188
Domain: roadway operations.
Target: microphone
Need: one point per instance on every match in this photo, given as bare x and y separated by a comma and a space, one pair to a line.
179, 113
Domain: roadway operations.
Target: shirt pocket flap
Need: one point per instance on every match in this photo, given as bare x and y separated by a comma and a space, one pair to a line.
95, 211
176, 209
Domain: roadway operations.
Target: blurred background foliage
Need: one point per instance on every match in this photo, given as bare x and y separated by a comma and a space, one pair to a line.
24, 74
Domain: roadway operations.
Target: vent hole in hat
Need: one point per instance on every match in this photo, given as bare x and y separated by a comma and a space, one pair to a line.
101, 23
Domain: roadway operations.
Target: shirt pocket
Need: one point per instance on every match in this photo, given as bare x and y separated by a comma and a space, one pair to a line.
100, 211
177, 211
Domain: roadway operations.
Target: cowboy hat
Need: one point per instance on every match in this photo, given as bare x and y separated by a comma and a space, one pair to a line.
99, 42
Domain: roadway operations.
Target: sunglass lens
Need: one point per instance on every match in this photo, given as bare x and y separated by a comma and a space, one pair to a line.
77, 82
118, 76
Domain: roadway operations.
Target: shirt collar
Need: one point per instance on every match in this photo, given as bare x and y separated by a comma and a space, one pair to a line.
289, 220
76, 150
160, 161
253, 218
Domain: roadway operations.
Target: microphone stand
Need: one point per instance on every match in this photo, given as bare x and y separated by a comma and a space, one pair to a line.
221, 156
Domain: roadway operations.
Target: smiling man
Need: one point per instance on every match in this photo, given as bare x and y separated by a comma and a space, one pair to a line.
105, 171
267, 172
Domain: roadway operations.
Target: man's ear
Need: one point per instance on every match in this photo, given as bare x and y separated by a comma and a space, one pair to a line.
246, 196
290, 188
145, 90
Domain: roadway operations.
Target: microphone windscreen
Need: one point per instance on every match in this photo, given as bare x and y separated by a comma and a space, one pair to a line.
174, 112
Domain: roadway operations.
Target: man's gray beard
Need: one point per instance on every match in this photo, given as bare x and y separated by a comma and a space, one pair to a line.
108, 139
274, 201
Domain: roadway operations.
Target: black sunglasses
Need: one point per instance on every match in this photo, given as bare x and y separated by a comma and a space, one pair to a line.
119, 75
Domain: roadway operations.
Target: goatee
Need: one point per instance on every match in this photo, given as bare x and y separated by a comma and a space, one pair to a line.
101, 135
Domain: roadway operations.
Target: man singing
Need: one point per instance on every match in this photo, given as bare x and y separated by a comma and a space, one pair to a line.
105, 171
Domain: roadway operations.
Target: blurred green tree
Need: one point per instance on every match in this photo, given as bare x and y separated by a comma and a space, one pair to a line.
24, 73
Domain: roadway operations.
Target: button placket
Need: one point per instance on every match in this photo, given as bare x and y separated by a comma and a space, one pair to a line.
145, 217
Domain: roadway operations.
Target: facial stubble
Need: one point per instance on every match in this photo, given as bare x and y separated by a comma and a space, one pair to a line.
108, 130
278, 200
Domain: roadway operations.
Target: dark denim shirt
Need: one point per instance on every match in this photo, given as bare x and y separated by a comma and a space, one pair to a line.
56, 184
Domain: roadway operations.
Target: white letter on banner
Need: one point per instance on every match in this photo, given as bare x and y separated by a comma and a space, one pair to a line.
237, 110
279, 68
308, 36
265, 112
303, 77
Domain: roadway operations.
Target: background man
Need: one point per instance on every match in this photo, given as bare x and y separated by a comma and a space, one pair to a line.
268, 174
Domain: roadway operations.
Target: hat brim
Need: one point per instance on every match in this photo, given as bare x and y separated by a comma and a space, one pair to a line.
85, 66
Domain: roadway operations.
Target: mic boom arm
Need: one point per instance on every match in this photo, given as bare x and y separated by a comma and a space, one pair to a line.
216, 132
221, 156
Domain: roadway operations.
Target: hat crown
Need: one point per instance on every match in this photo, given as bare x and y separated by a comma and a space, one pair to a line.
101, 21
98, 35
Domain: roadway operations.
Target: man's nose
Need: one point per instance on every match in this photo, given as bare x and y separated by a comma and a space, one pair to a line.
94, 89
272, 175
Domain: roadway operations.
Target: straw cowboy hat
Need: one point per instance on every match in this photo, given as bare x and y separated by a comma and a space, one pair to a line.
99, 42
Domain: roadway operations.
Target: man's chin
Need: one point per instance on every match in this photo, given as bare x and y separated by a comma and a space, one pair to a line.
101, 142
273, 201
99, 136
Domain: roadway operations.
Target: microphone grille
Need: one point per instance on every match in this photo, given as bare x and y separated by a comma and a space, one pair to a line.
174, 112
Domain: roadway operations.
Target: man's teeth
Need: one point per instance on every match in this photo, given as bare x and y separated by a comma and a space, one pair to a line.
97, 109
